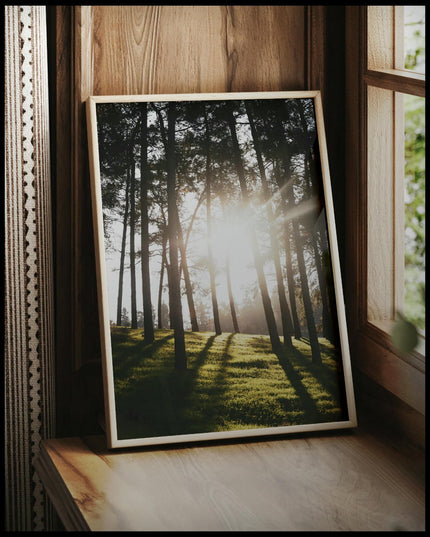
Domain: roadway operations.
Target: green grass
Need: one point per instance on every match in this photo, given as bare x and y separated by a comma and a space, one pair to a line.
233, 381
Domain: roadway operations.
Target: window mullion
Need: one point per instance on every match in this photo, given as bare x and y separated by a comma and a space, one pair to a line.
395, 80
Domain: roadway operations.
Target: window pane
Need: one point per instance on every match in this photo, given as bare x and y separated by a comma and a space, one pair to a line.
414, 307
414, 38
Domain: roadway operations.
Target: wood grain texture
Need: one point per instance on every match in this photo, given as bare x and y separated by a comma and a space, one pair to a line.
195, 49
61, 499
402, 81
316, 57
380, 39
333, 483
380, 205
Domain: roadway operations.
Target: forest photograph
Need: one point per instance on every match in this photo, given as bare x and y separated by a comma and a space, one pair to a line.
219, 273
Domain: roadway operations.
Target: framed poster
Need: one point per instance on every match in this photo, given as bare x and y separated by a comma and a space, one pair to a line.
221, 303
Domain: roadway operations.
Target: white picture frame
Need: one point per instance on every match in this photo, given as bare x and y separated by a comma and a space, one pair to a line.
264, 156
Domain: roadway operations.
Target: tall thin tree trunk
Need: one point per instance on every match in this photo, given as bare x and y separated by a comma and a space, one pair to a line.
160, 296
308, 181
318, 254
288, 258
329, 284
174, 284
170, 296
183, 267
161, 282
122, 258
287, 325
211, 264
322, 286
230, 296
167, 266
290, 280
229, 286
313, 337
187, 280
193, 217
132, 246
258, 262
148, 323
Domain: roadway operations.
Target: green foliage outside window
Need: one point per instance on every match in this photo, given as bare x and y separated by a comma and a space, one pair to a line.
414, 42
414, 308
404, 334
415, 210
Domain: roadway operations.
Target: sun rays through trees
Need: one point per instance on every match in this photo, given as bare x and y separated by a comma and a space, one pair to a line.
219, 207
214, 222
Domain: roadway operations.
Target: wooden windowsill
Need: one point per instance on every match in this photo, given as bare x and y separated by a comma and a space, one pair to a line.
343, 481
402, 376
415, 358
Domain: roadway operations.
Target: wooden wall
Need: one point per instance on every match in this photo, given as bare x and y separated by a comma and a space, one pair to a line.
107, 50
175, 49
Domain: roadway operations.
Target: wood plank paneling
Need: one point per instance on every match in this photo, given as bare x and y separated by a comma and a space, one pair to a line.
380, 38
316, 58
193, 49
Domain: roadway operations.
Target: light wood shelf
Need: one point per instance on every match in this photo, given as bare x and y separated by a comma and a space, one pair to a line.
346, 481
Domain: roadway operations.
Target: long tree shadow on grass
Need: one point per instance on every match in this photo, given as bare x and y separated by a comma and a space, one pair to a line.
329, 373
310, 410
330, 380
328, 349
210, 413
153, 399
127, 353
220, 389
306, 379
193, 403
177, 386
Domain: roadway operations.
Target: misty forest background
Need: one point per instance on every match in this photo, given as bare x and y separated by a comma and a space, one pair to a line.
214, 223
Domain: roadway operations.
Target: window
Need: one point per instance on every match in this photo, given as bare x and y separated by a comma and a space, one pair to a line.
414, 108
385, 146
414, 277
394, 78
